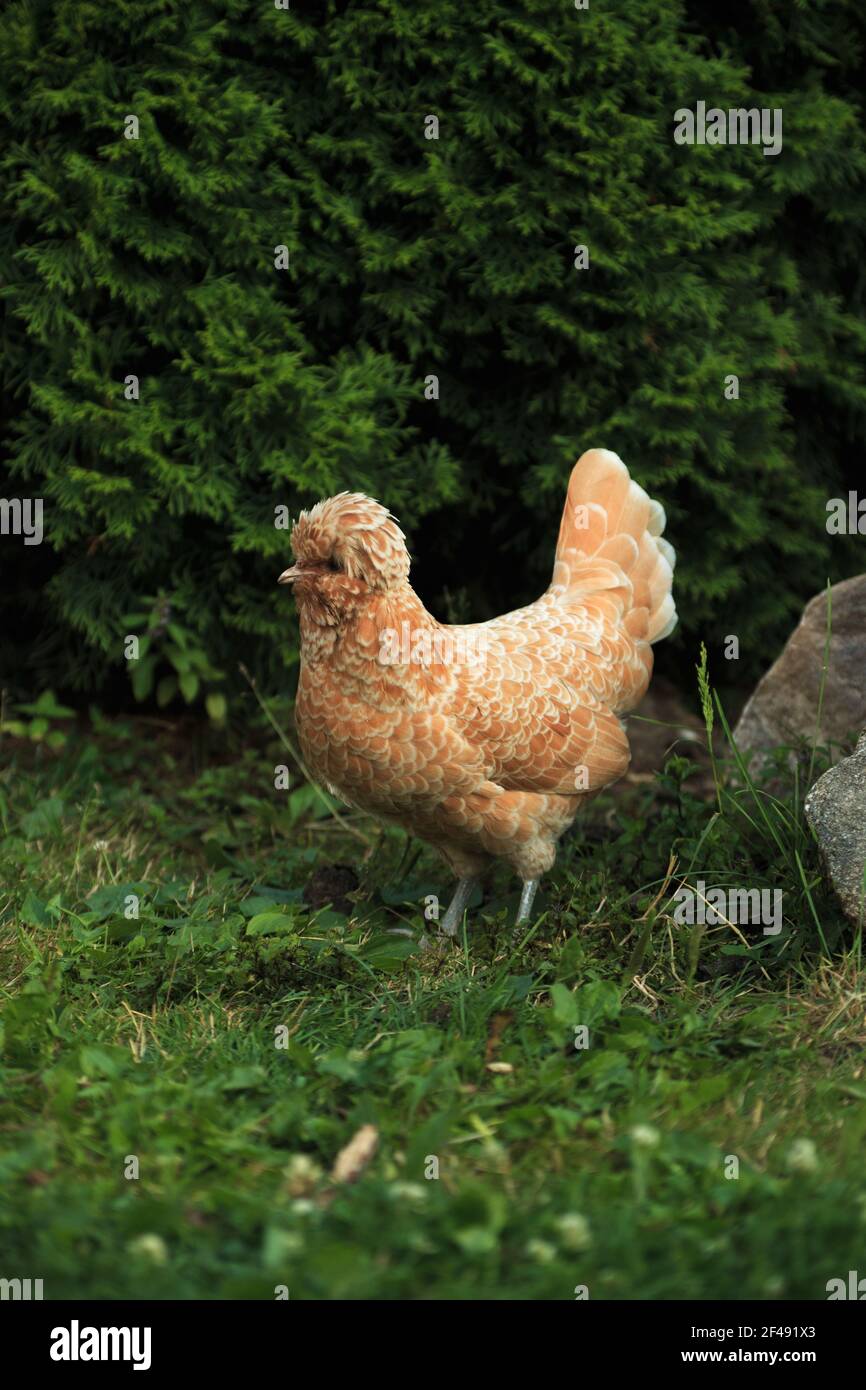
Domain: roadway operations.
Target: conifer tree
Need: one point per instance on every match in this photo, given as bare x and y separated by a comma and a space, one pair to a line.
251, 256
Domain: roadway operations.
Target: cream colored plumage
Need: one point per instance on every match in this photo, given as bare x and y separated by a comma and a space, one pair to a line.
482, 739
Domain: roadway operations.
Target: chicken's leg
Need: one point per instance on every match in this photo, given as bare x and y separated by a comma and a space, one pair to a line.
530, 886
457, 906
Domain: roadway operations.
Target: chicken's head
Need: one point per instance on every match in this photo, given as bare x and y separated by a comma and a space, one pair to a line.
344, 548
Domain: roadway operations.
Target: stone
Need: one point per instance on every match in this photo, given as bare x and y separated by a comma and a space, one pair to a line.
783, 708
836, 811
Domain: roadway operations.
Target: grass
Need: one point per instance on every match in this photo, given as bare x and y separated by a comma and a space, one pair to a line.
227, 1043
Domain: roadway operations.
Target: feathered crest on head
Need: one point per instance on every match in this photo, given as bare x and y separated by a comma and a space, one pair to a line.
358, 534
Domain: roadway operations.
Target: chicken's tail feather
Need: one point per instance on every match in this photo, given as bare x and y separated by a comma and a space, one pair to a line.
611, 529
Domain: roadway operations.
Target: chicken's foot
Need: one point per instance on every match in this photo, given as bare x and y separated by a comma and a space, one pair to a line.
454, 916
527, 896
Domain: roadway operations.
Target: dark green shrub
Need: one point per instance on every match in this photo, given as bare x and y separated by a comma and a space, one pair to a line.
409, 257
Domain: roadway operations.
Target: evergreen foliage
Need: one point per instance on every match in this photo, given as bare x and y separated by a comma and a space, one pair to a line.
305, 128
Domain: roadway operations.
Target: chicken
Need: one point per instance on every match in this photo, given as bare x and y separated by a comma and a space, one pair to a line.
481, 739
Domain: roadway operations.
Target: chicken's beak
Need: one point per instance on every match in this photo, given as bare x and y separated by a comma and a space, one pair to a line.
290, 575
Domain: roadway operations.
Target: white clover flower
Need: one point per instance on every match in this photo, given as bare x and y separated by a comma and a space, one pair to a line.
301, 1174
574, 1231
407, 1192
645, 1136
149, 1246
541, 1251
803, 1156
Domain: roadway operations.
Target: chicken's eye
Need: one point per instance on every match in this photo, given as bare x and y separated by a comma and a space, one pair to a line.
331, 564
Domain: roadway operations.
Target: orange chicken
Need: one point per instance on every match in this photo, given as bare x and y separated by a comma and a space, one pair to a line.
481, 739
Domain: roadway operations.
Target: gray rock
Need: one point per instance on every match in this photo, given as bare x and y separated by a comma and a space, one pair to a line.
836, 811
783, 709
